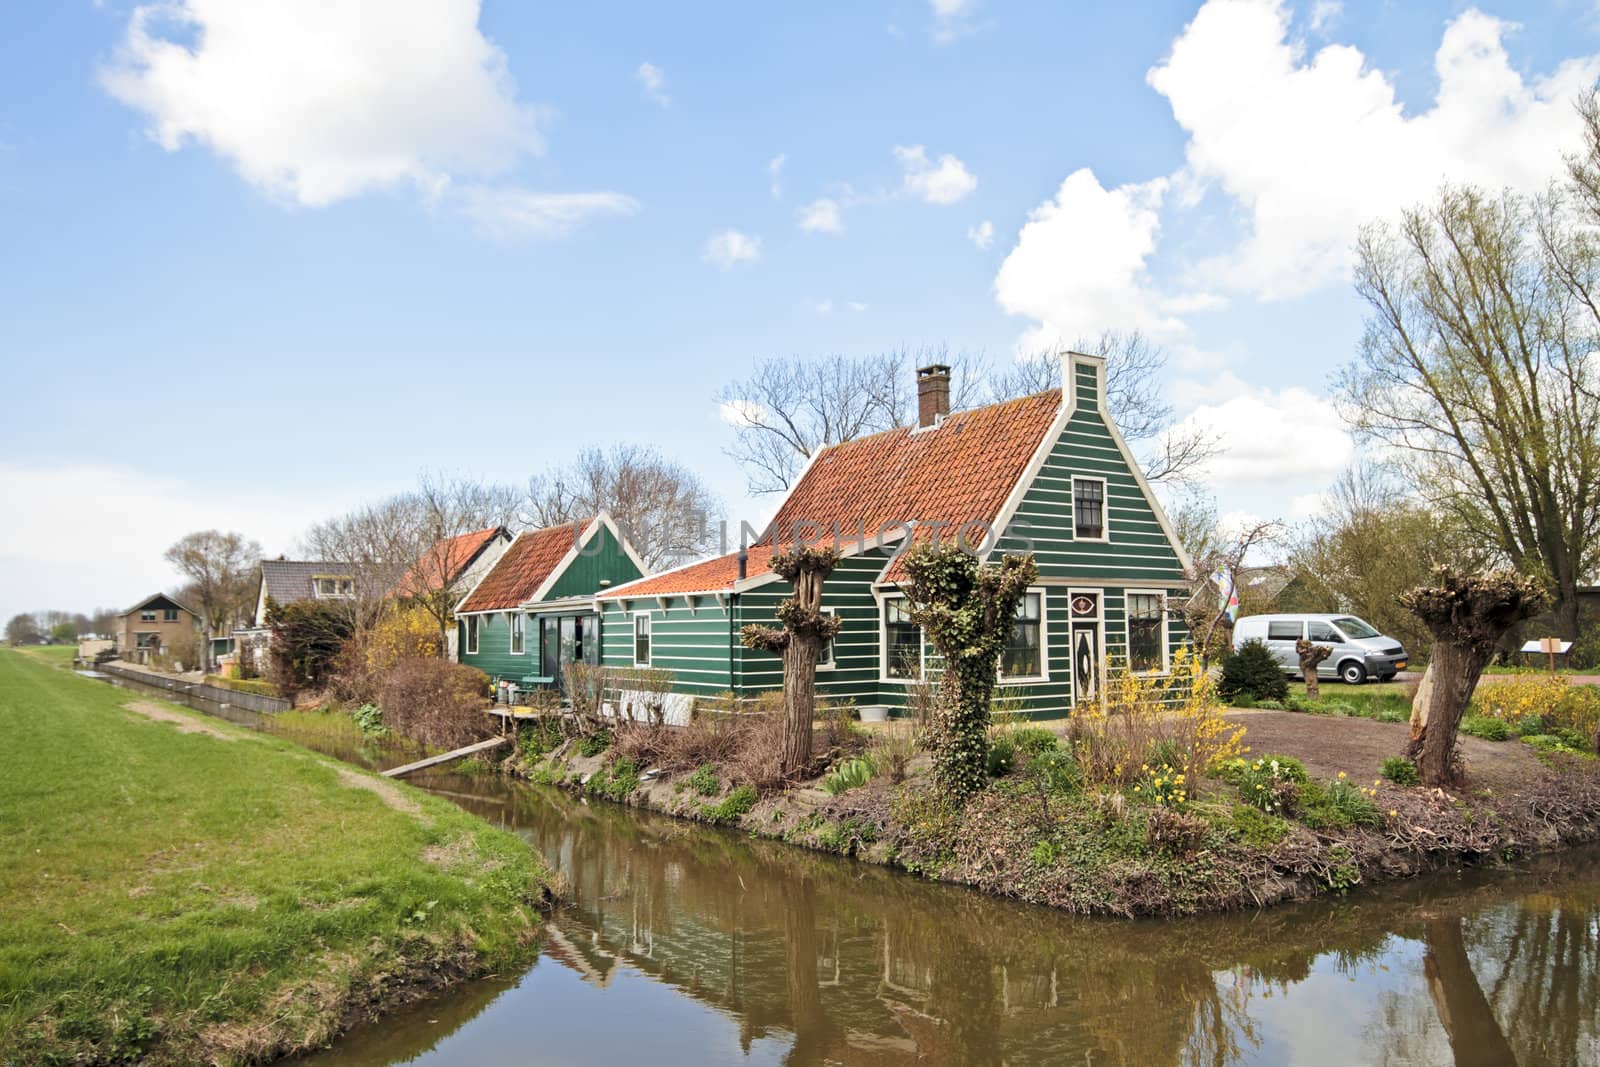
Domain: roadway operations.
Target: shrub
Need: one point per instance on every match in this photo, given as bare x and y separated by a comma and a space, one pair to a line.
1163, 784
1255, 827
616, 781
1002, 756
307, 637
538, 737
369, 720
892, 752
1521, 696
1400, 771
1482, 726
1270, 783
851, 774
595, 743
436, 702
1271, 705
1339, 708
1338, 805
1034, 740
1177, 714
732, 806
1253, 671
704, 781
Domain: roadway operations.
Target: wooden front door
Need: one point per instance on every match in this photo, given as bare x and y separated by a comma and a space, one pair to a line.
1084, 640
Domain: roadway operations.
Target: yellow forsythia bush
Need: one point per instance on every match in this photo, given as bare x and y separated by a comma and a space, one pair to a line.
404, 633
1518, 697
1174, 718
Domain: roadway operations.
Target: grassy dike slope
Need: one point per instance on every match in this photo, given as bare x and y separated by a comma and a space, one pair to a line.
178, 889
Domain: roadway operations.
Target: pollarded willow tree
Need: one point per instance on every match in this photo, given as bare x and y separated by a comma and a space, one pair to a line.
966, 608
1467, 614
805, 631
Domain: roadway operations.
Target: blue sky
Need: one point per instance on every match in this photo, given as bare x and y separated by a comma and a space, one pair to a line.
259, 263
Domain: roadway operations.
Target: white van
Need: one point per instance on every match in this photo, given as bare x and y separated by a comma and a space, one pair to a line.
1359, 651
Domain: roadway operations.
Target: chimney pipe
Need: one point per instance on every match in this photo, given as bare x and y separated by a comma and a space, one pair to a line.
933, 394
744, 562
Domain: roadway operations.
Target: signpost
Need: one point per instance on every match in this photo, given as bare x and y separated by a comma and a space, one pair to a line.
1548, 646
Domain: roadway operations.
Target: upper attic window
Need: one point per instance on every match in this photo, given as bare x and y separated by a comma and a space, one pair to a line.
333, 587
1089, 509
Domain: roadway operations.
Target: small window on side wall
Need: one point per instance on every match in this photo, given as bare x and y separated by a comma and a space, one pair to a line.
825, 657
1089, 509
472, 635
519, 640
1147, 632
641, 640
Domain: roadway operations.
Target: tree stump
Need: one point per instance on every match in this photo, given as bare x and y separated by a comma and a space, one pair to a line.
1310, 656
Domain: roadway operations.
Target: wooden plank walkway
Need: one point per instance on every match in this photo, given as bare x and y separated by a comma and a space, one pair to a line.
434, 761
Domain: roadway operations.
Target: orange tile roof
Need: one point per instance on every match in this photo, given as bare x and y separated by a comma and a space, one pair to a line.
958, 472
519, 573
450, 558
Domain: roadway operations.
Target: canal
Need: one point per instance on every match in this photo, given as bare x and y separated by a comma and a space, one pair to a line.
678, 944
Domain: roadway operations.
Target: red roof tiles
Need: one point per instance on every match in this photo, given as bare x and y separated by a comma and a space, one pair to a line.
449, 558
527, 562
957, 472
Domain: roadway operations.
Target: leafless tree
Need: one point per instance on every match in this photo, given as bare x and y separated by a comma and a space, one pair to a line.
386, 541
448, 509
219, 567
663, 508
1212, 550
789, 409
1479, 365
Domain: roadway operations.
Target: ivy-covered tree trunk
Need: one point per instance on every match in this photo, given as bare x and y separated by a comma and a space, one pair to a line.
966, 609
1467, 614
1311, 656
805, 630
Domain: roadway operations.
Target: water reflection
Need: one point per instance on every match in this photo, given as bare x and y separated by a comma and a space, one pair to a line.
685, 945
808, 960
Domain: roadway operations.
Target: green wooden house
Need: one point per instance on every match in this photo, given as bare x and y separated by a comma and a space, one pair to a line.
533, 614
1047, 474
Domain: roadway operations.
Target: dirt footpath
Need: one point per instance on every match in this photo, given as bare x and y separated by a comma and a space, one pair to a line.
1328, 744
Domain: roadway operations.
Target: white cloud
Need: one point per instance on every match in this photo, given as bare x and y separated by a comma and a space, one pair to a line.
730, 247
775, 175
951, 19
1286, 438
508, 213
742, 413
982, 234
944, 182
856, 305
49, 562
824, 307
654, 81
821, 216
1312, 147
1079, 263
314, 103
1324, 13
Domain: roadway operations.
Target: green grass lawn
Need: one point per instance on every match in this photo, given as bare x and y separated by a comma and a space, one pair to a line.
185, 896
55, 655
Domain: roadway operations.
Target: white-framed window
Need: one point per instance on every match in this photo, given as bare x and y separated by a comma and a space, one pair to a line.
825, 657
1026, 655
147, 615
1089, 509
1146, 614
169, 614
333, 587
903, 650
641, 639
472, 635
519, 633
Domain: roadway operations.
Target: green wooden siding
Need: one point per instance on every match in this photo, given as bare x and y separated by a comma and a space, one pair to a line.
494, 656
695, 644
601, 560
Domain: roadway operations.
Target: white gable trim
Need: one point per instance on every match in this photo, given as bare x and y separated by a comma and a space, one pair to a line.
1041, 454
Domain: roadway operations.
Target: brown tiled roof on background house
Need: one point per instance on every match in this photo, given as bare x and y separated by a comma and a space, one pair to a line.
443, 565
959, 471
523, 568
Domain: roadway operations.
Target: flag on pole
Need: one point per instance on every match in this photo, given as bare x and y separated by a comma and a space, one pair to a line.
1227, 594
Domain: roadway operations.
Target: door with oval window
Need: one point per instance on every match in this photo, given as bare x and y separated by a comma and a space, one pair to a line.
1084, 635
